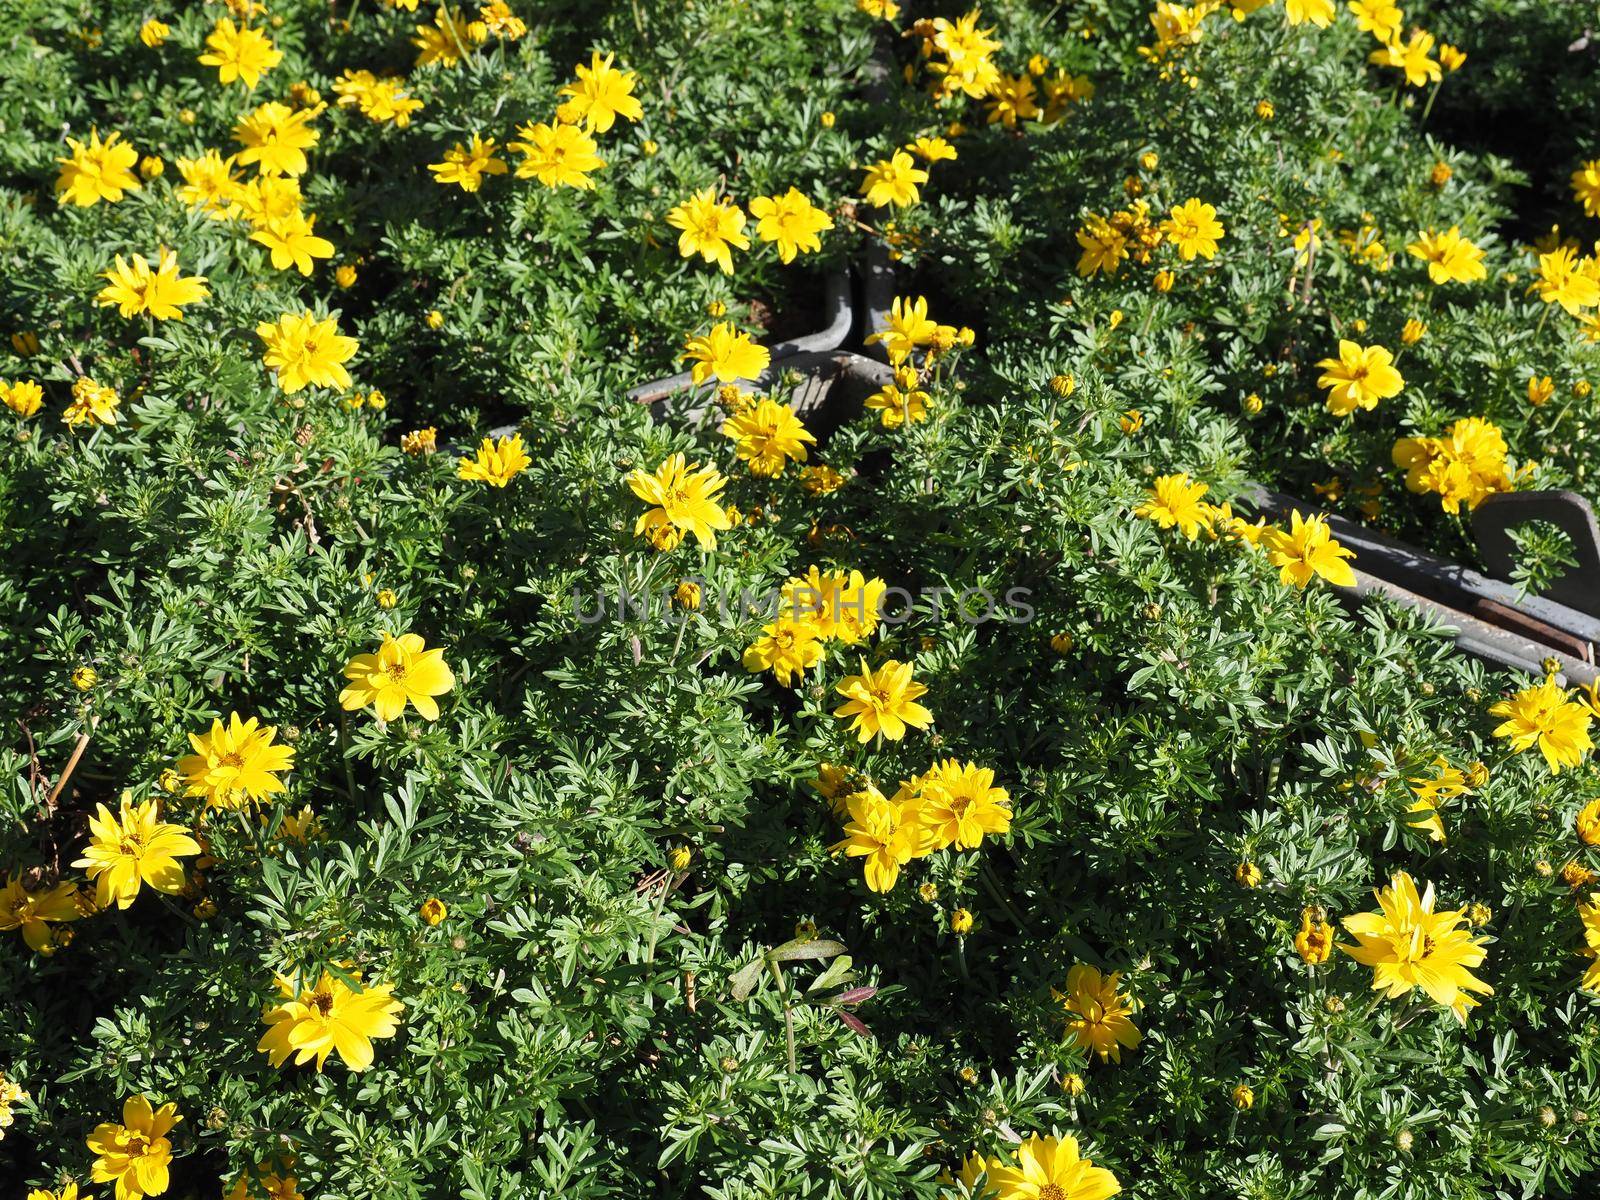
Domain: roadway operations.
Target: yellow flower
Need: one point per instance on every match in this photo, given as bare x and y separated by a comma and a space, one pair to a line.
1411, 58
683, 498
1308, 550
909, 328
1543, 715
380, 100
275, 138
601, 95
821, 480
433, 910
1175, 501
787, 648
22, 397
790, 220
1540, 389
239, 53
1564, 280
345, 275
932, 149
434, 319
884, 10
92, 404
1451, 58
1446, 783
1247, 875
1049, 1168
887, 833
1381, 18
1451, 258
153, 32
961, 922
445, 41
134, 288
1243, 1096
1193, 227
235, 763
1589, 914
1098, 1016
1359, 378
767, 435
84, 678
304, 351
726, 355
131, 848
841, 607
1314, 942
500, 21
883, 701
402, 671
420, 441
1586, 824
960, 804
34, 911
1586, 187
708, 228
209, 184
466, 165
1464, 466
97, 171
293, 241
1265, 111
312, 1023
556, 155
1317, 12
893, 181
1413, 332
137, 1152
1011, 98
1131, 421
496, 463
151, 167
1409, 946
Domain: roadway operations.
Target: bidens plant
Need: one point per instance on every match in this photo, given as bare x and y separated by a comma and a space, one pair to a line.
435, 774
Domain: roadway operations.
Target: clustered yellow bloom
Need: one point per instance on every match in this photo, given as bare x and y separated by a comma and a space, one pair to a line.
134, 847
1545, 716
313, 1022
1099, 1015
1410, 946
814, 609
1464, 466
134, 288
97, 170
683, 500
303, 351
239, 53
767, 436
1305, 551
236, 763
381, 99
466, 164
496, 463
912, 332
950, 804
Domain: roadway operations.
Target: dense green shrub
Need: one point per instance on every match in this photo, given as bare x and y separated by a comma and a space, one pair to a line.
604, 882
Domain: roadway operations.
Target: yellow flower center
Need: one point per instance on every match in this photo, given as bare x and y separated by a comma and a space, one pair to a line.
396, 672
323, 1003
231, 759
1052, 1191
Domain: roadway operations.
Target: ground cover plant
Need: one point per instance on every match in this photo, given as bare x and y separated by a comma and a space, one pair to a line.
959, 793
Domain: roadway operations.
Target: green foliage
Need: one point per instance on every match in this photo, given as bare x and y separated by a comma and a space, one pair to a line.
655, 978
